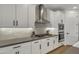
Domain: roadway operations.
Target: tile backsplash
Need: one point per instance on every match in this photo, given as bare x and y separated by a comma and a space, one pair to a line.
10, 33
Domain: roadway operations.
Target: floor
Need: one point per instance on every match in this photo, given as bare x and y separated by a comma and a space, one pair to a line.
59, 50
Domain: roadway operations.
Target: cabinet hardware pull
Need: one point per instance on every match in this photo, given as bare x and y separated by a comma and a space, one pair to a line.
13, 22
48, 44
40, 46
16, 47
16, 22
36, 42
17, 52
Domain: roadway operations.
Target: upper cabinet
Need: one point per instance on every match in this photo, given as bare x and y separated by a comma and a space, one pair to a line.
17, 15
55, 17
7, 15
31, 15
21, 14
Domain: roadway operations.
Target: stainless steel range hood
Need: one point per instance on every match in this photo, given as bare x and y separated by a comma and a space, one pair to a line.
41, 19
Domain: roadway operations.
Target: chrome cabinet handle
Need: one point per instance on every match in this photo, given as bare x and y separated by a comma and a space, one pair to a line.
40, 46
48, 44
16, 47
16, 22
36, 42
13, 22
17, 52
67, 33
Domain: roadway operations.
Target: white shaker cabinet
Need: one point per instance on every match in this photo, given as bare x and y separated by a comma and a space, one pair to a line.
21, 15
31, 15
51, 17
6, 50
55, 17
55, 42
43, 46
25, 48
36, 47
59, 18
7, 15
17, 15
50, 44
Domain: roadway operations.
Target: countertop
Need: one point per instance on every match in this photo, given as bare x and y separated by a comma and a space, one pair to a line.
4, 43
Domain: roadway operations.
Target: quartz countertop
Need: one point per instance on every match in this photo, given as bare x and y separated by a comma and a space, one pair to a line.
4, 43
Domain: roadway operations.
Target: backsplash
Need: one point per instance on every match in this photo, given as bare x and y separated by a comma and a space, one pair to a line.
10, 33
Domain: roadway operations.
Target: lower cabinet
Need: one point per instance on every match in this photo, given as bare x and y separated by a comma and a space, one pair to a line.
50, 44
24, 48
6, 50
55, 42
36, 47
44, 46
41, 46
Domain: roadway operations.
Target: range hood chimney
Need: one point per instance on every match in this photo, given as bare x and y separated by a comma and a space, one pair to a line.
41, 19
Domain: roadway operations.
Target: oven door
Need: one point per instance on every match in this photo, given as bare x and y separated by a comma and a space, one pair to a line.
61, 37
60, 26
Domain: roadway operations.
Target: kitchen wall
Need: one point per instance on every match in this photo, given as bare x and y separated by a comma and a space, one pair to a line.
10, 33
43, 30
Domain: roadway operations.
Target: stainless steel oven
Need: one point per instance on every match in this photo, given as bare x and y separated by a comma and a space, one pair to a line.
61, 32
60, 26
61, 36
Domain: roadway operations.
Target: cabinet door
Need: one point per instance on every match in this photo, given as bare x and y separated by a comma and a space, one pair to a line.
6, 50
36, 47
25, 48
59, 18
55, 42
31, 15
43, 46
51, 17
50, 44
21, 15
7, 15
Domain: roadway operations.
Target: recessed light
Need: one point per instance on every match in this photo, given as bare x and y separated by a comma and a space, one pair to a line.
74, 7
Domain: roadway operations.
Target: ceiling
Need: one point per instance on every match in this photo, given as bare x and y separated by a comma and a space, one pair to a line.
62, 6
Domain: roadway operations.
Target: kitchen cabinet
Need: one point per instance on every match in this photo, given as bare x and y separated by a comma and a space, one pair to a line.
21, 13
24, 48
71, 28
59, 18
36, 47
51, 17
50, 44
31, 15
55, 17
6, 50
55, 42
25, 15
44, 44
17, 15
41, 46
7, 15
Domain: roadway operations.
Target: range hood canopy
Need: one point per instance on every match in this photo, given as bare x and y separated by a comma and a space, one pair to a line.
41, 19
